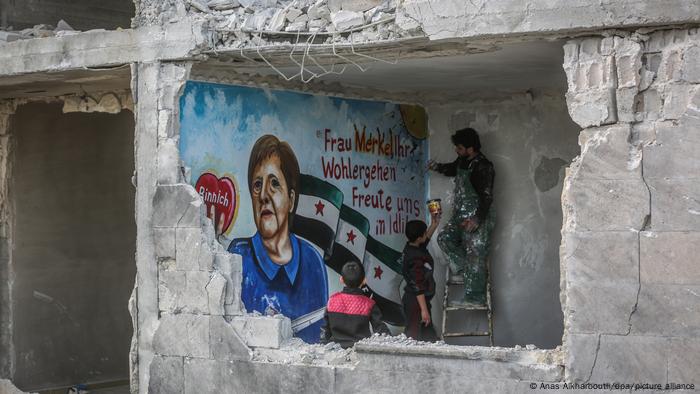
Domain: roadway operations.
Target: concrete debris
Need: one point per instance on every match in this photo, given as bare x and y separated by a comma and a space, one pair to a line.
63, 26
359, 5
7, 36
39, 31
296, 26
293, 14
296, 351
319, 11
199, 6
237, 21
221, 5
258, 20
278, 20
240, 23
344, 20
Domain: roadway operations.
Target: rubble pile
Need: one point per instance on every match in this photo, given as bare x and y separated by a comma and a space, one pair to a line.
241, 23
296, 351
39, 31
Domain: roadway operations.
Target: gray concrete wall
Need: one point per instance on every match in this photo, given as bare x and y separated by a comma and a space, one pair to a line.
73, 253
627, 317
6, 352
631, 205
80, 14
530, 139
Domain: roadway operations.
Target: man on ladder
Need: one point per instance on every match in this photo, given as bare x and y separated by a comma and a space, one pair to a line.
465, 237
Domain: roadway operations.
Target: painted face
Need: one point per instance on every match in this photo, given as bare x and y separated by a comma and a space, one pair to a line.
272, 201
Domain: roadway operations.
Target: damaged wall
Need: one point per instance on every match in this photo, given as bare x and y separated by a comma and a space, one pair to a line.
631, 205
192, 333
82, 15
73, 245
530, 139
6, 352
605, 205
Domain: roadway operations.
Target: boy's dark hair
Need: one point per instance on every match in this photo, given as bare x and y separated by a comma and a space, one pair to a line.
467, 137
353, 274
415, 229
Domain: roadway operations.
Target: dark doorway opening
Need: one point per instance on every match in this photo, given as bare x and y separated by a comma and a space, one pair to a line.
74, 238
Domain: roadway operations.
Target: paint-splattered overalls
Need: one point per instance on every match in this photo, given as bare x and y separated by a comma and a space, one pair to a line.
467, 251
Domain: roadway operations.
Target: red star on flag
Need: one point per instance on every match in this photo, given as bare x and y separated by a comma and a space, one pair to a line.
378, 272
351, 237
319, 207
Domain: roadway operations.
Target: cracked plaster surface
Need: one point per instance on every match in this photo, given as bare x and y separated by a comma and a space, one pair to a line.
631, 75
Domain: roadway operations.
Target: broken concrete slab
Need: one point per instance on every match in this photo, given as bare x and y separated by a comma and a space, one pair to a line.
637, 357
677, 99
220, 5
216, 294
164, 242
344, 20
600, 308
8, 36
263, 331
607, 153
177, 205
667, 310
182, 335
581, 355
673, 152
230, 267
183, 291
691, 64
606, 258
614, 205
674, 204
167, 375
226, 343
595, 107
168, 162
669, 258
189, 244
102, 48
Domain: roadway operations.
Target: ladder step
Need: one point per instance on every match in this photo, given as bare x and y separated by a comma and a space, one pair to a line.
455, 282
467, 308
466, 334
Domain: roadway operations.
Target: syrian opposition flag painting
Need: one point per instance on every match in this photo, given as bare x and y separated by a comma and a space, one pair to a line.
350, 239
383, 274
317, 213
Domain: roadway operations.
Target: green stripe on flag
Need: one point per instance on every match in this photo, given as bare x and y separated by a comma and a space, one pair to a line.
312, 186
390, 257
355, 218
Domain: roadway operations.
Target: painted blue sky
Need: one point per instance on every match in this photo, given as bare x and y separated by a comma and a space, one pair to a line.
220, 123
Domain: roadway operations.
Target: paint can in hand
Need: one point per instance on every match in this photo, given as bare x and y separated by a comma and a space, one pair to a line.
434, 206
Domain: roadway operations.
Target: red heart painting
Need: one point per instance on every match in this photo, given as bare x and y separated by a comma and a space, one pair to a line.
220, 193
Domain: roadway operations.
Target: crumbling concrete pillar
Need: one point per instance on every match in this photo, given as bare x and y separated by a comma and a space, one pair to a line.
631, 206
151, 84
7, 108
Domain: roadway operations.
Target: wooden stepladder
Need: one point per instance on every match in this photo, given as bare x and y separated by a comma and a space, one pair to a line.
449, 306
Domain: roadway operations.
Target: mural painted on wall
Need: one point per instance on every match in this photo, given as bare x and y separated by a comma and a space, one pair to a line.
299, 184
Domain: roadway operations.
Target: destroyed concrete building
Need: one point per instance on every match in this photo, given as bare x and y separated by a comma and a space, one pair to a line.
110, 270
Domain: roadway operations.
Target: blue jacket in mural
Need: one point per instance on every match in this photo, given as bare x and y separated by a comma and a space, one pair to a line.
298, 289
